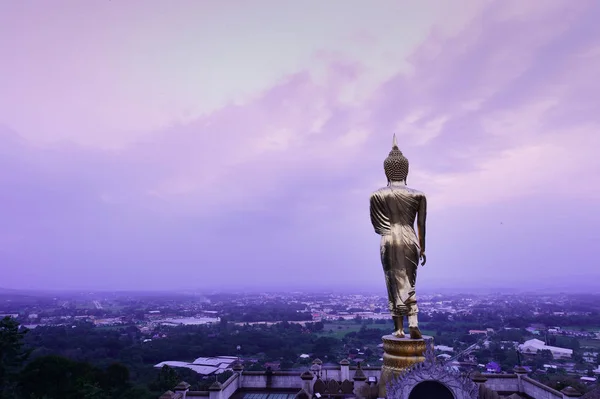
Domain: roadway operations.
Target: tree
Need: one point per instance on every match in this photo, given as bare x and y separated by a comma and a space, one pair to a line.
287, 365
59, 377
324, 346
116, 378
137, 393
166, 380
12, 355
510, 361
546, 355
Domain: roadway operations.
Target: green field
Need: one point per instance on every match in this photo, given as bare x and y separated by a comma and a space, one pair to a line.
338, 329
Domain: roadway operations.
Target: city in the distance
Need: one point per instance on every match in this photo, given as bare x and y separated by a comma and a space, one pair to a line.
198, 336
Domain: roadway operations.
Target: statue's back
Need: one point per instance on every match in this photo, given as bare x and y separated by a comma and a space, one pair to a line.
399, 205
403, 203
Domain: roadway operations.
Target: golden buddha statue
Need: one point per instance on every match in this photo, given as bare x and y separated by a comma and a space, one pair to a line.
394, 209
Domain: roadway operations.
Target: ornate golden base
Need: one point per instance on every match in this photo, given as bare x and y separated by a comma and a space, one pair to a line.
399, 354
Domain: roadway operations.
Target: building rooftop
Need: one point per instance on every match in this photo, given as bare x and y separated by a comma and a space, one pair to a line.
203, 365
541, 345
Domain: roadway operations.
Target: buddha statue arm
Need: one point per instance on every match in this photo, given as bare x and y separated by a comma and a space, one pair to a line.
421, 221
379, 218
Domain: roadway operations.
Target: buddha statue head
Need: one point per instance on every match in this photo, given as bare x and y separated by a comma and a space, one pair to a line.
395, 165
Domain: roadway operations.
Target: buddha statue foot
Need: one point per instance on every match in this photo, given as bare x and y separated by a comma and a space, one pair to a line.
415, 333
398, 327
399, 334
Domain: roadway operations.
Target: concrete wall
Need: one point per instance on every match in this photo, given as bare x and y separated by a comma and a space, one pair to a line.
282, 380
502, 382
538, 390
230, 386
197, 394
291, 380
332, 373
369, 372
287, 380
254, 381
510, 383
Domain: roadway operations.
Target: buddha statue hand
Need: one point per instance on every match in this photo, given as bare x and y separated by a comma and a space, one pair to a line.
423, 258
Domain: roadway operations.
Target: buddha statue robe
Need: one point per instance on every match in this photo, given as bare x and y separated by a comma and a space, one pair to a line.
394, 210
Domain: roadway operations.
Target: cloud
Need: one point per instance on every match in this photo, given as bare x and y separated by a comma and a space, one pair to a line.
493, 103
524, 172
417, 129
156, 65
497, 110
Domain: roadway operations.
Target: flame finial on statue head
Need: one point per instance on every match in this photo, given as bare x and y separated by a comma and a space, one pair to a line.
396, 164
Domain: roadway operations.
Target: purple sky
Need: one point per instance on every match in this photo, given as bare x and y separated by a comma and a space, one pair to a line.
234, 144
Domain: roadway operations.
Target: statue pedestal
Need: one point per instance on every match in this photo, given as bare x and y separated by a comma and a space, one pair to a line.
399, 354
